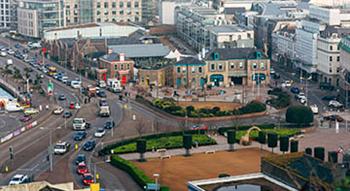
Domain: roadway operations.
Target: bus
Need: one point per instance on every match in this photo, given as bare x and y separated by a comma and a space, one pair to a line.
52, 71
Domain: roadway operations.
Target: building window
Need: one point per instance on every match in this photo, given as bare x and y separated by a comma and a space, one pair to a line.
98, 4
178, 69
122, 66
220, 67
183, 69
331, 47
116, 67
241, 65
338, 58
254, 65
212, 67
200, 69
330, 58
193, 69
121, 4
114, 4
128, 66
330, 70
232, 65
338, 69
106, 5
262, 65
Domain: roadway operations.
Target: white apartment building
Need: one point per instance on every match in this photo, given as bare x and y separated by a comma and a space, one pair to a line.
283, 45
344, 74
5, 14
35, 16
167, 10
88, 11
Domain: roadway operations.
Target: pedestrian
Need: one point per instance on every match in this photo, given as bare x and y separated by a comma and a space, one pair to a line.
89, 99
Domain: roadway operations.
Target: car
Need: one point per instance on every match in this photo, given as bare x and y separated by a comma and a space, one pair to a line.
299, 96
3, 53
71, 105
79, 136
88, 179
89, 145
80, 158
109, 124
62, 97
314, 108
103, 102
77, 106
17, 46
303, 100
31, 111
11, 52
335, 104
100, 132
102, 94
287, 83
199, 127
67, 114
333, 118
329, 98
82, 168
295, 90
19, 179
58, 110
61, 148
25, 118
64, 79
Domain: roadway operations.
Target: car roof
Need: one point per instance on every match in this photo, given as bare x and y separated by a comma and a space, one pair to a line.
18, 176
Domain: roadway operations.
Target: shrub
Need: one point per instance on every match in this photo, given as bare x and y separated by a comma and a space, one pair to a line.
252, 107
282, 100
300, 115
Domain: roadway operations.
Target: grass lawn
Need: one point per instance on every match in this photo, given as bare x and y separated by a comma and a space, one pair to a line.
280, 132
167, 142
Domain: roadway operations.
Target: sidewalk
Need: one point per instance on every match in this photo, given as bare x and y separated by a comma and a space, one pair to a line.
221, 146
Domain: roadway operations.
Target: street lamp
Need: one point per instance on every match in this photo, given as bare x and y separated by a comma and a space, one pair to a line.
50, 148
156, 176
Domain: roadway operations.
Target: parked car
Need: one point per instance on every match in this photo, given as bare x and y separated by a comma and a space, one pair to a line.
3, 53
102, 94
100, 132
71, 105
314, 108
295, 90
88, 179
89, 145
329, 98
25, 118
67, 114
31, 111
335, 104
58, 110
109, 124
287, 83
61, 148
326, 86
62, 97
80, 158
79, 136
199, 127
333, 118
82, 168
19, 179
103, 102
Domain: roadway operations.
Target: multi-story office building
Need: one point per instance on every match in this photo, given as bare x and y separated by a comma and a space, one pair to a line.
35, 16
344, 74
87, 11
283, 45
167, 10
5, 14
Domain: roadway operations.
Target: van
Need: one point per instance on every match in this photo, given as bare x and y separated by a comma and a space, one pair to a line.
9, 62
75, 84
13, 107
80, 124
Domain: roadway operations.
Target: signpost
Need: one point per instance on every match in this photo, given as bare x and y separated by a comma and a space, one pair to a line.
50, 88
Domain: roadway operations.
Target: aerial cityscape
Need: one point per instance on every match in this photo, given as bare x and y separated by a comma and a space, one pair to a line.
174, 95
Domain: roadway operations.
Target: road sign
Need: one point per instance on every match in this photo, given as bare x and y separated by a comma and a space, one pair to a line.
50, 88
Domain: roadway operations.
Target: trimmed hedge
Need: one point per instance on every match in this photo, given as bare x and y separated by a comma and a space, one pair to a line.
282, 100
223, 130
300, 115
108, 148
167, 142
136, 174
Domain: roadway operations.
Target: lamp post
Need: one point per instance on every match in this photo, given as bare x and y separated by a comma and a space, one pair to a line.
156, 176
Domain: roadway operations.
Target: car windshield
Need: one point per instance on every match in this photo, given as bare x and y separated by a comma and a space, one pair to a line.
100, 130
88, 177
81, 158
59, 147
77, 121
16, 179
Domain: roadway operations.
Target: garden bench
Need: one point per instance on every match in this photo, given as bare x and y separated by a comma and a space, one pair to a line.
210, 152
161, 150
165, 157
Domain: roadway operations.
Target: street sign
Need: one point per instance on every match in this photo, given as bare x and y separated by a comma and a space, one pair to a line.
50, 88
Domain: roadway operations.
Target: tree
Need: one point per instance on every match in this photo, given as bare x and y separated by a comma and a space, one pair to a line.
294, 144
189, 110
272, 140
141, 148
308, 151
187, 143
319, 153
300, 115
284, 144
262, 138
231, 138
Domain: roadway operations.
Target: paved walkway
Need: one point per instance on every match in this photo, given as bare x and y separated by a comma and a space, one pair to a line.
221, 146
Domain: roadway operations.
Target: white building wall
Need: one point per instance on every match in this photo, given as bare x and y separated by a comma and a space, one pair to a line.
331, 16
5, 14
28, 24
306, 47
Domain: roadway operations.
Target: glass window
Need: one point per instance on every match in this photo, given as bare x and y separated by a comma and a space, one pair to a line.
254, 65
128, 4
121, 4
241, 65
116, 67
262, 65
193, 69
232, 65
330, 58
338, 58
106, 5
114, 4
178, 69
122, 66
98, 4
200, 69
331, 47
220, 67
212, 67
136, 5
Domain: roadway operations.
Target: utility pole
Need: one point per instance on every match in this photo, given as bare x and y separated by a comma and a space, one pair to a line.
50, 152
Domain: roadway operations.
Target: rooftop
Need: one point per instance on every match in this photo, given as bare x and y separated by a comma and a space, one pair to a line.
190, 61
141, 50
234, 53
226, 28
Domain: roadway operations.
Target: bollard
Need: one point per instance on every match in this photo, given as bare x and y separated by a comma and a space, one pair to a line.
76, 146
6, 168
97, 176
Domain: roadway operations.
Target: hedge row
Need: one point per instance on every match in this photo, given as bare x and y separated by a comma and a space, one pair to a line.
282, 100
136, 174
108, 148
223, 130
166, 142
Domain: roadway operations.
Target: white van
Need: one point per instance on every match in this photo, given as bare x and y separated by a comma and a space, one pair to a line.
13, 107
75, 84
80, 124
9, 62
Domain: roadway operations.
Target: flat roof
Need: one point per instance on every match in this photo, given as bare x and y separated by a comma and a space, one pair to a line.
226, 28
141, 50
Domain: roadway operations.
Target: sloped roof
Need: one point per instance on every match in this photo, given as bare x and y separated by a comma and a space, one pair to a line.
141, 50
191, 61
233, 53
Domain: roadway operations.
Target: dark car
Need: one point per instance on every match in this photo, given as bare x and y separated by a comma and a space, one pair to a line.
61, 97
333, 118
295, 90
67, 114
89, 145
80, 158
326, 86
102, 93
109, 124
79, 136
25, 118
329, 98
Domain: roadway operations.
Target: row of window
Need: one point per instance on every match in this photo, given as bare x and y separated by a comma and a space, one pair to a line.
331, 58
220, 67
121, 67
193, 69
114, 4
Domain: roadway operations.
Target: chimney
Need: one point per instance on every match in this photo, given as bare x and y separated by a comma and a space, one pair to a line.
110, 51
203, 52
199, 56
122, 57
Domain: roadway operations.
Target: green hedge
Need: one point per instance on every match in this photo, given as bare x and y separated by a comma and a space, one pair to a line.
282, 100
223, 130
167, 142
108, 148
136, 174
300, 115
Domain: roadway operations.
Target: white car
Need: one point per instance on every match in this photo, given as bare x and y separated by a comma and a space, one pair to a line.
303, 101
77, 106
100, 132
31, 111
335, 104
58, 110
61, 148
3, 53
287, 83
11, 52
19, 179
76, 84
314, 108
